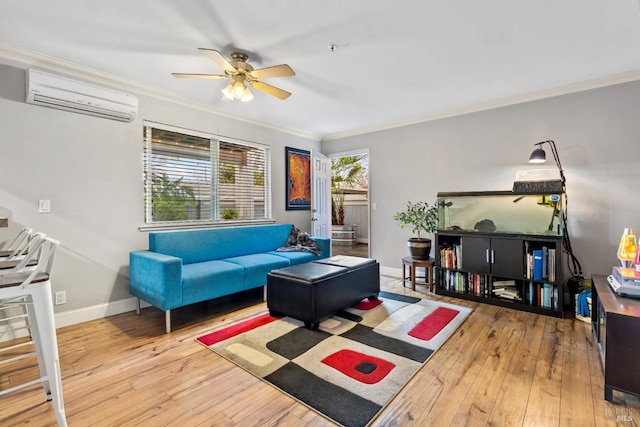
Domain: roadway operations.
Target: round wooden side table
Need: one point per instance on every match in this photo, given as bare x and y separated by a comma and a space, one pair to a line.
413, 263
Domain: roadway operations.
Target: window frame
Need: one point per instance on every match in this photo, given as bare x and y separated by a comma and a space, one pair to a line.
215, 141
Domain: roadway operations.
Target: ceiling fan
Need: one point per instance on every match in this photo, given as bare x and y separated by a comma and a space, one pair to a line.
242, 74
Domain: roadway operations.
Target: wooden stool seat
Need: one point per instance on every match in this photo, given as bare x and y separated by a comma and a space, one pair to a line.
413, 263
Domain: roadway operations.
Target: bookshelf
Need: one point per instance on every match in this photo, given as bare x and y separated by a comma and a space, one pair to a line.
521, 271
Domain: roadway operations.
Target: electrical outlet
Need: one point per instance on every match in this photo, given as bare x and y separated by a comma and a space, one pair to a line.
61, 297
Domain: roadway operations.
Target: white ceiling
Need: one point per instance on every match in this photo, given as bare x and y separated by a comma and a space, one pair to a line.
396, 62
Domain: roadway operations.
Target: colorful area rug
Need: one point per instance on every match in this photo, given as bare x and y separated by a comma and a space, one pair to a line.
354, 364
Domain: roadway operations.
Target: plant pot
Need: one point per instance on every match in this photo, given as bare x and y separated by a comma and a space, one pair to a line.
419, 248
343, 235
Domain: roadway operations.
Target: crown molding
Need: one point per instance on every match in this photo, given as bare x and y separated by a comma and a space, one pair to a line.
79, 71
497, 103
36, 59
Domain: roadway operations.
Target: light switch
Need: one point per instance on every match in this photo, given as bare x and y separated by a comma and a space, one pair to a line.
44, 206
374, 206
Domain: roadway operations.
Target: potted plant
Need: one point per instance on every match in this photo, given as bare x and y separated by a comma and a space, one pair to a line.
346, 173
419, 217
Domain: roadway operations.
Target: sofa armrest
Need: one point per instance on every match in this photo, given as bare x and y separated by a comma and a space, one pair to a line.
156, 278
325, 246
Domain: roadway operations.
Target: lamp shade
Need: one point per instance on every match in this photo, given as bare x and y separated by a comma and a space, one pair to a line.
247, 97
538, 156
227, 91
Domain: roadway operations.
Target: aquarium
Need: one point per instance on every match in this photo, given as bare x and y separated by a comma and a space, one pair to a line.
501, 212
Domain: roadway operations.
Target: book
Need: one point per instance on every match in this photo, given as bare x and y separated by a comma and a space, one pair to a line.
531, 295
508, 293
503, 283
547, 293
537, 264
551, 263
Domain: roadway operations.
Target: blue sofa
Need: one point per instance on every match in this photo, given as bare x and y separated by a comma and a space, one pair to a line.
189, 266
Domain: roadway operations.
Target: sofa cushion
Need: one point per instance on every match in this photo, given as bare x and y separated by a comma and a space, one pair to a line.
257, 266
295, 258
219, 243
210, 279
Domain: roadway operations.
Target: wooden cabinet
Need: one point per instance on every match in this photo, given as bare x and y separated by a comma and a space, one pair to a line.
496, 256
499, 269
615, 321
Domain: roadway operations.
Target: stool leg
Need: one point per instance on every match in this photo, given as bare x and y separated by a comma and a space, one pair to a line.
413, 277
34, 331
404, 277
46, 330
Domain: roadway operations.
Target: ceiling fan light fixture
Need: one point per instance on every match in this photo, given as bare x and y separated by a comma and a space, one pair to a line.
239, 90
227, 92
247, 97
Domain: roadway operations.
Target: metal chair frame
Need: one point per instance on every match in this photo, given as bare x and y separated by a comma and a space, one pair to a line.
31, 288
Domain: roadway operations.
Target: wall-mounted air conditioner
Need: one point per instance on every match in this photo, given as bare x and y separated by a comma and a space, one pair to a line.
50, 90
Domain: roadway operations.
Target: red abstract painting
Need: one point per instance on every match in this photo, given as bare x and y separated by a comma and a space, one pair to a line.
298, 175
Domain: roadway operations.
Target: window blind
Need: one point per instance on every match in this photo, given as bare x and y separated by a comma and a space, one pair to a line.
193, 177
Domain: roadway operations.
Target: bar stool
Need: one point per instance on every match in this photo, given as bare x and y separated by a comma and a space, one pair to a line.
18, 245
31, 287
24, 257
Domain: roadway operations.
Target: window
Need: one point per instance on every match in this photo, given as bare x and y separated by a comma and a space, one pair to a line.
191, 177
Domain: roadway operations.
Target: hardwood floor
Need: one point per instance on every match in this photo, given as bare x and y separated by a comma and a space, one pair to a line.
359, 249
501, 368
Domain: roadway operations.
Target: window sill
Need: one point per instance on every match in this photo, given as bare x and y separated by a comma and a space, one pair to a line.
187, 225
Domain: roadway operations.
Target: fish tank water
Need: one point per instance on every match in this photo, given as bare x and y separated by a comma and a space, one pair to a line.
505, 212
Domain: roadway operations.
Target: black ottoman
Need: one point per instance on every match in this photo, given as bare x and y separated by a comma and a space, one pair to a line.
310, 292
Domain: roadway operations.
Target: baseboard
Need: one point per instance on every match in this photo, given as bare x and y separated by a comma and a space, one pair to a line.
73, 317
388, 271
16, 328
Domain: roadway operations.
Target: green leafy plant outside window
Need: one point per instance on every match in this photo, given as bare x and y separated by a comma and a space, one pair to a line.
170, 199
229, 213
345, 173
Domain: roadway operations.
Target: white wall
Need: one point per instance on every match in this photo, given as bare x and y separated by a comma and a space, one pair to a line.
597, 134
91, 170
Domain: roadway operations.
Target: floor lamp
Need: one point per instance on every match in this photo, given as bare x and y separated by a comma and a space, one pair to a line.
539, 156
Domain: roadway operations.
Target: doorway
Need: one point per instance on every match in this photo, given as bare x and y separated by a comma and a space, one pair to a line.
350, 227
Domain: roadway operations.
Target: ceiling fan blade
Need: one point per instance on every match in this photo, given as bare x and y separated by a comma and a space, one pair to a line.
282, 70
217, 57
199, 76
271, 90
